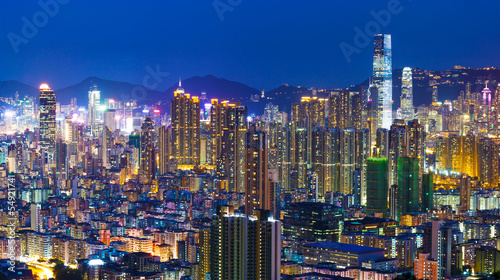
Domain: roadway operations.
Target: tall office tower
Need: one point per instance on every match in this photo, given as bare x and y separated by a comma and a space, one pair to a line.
94, 110
36, 218
109, 119
339, 109
427, 195
48, 131
264, 246
228, 245
407, 186
465, 192
163, 149
398, 147
381, 144
408, 112
218, 121
347, 159
232, 159
488, 152
382, 78
148, 152
258, 193
376, 186
363, 146
185, 115
434, 94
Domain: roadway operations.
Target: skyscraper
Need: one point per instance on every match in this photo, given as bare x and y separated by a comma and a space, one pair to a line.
94, 109
232, 158
382, 78
243, 246
185, 115
163, 149
47, 118
36, 219
408, 113
376, 185
148, 152
407, 186
258, 188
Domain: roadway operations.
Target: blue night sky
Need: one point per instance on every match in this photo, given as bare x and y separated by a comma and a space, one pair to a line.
260, 43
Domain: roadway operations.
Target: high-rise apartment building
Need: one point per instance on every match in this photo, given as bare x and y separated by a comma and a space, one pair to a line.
185, 115
148, 152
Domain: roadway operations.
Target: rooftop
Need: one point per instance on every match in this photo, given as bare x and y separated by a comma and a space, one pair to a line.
343, 247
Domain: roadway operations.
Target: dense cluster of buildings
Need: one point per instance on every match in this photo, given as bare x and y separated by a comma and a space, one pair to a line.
340, 187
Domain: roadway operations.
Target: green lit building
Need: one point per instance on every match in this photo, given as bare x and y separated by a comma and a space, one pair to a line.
407, 186
427, 192
376, 186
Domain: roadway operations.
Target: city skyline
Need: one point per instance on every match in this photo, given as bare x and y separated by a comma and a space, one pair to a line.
328, 66
395, 177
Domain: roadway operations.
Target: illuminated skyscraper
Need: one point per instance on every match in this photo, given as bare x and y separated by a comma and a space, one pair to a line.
382, 78
148, 152
408, 112
48, 132
488, 151
258, 193
232, 158
347, 159
94, 110
36, 219
427, 192
218, 121
244, 246
465, 192
376, 186
407, 186
163, 149
339, 109
185, 115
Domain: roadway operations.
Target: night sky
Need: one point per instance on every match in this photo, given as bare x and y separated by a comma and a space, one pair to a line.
260, 43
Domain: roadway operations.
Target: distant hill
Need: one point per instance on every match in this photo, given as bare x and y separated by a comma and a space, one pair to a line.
449, 83
215, 88
9, 88
109, 89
